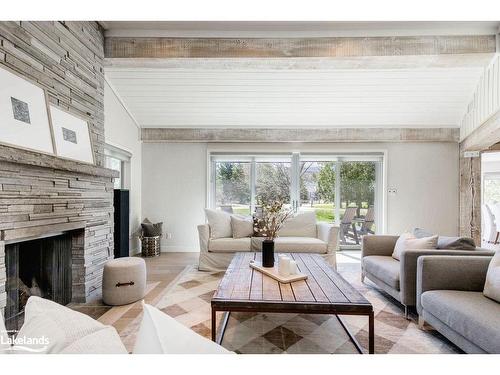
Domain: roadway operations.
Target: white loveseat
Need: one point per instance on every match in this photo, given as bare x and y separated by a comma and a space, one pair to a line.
301, 234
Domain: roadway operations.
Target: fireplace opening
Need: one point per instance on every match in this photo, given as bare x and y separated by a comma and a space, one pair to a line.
39, 267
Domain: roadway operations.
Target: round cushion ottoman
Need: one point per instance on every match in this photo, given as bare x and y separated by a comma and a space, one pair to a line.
123, 281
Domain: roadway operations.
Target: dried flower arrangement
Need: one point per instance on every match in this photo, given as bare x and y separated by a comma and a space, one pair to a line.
274, 214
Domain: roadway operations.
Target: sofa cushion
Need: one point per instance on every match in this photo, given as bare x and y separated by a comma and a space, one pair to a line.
492, 284
241, 226
301, 225
52, 328
162, 334
300, 245
448, 243
412, 243
219, 222
385, 268
229, 245
400, 245
471, 314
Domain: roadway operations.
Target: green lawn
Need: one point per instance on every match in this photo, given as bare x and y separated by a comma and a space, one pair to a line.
324, 211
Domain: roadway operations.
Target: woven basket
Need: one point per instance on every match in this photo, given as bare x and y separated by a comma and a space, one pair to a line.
150, 246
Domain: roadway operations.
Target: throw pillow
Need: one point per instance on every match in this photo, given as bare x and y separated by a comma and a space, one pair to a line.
456, 243
219, 222
492, 284
400, 244
52, 328
448, 243
241, 226
301, 225
421, 243
257, 225
162, 334
151, 230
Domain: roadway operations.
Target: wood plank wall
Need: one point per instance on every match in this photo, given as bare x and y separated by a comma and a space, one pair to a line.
485, 100
65, 58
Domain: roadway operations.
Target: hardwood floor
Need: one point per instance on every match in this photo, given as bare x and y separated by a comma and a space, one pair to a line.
161, 271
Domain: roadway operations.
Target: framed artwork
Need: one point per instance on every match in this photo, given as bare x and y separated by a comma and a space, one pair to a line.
24, 115
71, 136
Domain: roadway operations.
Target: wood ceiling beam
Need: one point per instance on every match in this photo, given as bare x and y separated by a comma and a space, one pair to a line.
259, 135
484, 136
131, 47
296, 63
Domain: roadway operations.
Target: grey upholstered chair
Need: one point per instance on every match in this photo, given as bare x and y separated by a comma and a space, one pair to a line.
450, 298
399, 278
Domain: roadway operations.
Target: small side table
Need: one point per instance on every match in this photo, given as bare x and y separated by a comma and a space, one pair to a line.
150, 246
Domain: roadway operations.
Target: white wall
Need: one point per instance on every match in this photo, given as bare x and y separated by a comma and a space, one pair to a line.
426, 176
121, 131
174, 190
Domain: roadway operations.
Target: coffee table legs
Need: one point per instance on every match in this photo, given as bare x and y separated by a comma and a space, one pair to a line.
371, 334
218, 338
371, 330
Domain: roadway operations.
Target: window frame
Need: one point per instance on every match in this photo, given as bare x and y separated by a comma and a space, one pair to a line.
295, 158
113, 152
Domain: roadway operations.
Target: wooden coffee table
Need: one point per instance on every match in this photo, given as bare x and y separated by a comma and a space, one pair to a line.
244, 289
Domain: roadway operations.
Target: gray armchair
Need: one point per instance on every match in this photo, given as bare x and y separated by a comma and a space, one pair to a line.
399, 278
450, 298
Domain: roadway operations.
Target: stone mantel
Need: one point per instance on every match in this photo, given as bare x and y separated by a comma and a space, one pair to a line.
21, 156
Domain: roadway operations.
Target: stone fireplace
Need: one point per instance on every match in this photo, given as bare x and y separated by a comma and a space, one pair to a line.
41, 195
56, 228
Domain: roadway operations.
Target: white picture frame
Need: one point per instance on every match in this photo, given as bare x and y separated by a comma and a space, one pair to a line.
24, 114
71, 136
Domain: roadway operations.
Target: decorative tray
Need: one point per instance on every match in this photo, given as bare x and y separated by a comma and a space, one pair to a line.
273, 272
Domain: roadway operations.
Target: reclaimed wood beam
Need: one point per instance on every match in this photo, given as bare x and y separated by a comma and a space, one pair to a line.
484, 136
141, 47
297, 63
253, 135
470, 197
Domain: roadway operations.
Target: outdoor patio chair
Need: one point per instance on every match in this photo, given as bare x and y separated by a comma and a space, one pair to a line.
348, 227
368, 222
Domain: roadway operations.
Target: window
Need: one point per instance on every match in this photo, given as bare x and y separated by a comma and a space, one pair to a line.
117, 165
273, 180
232, 186
317, 189
118, 160
491, 188
341, 189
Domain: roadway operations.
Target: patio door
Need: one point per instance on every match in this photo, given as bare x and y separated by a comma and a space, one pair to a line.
341, 189
317, 189
358, 202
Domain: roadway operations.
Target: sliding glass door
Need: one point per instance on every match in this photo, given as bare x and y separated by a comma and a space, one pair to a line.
317, 188
341, 189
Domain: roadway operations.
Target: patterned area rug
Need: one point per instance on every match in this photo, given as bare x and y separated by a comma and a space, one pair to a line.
188, 301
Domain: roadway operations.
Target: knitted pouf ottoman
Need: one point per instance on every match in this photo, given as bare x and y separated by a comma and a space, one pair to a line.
123, 281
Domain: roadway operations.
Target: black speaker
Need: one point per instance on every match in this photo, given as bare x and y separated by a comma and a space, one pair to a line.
122, 214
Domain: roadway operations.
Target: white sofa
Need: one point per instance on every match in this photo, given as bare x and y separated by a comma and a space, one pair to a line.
308, 236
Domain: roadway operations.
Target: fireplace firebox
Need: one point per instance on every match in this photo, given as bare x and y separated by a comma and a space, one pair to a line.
38, 267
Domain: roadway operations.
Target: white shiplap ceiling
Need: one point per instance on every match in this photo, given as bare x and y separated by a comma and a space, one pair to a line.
165, 97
